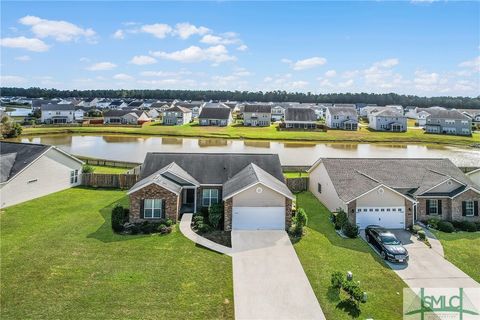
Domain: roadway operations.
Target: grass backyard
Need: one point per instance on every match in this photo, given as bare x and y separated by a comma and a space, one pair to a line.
110, 170
295, 174
60, 260
264, 133
461, 249
321, 252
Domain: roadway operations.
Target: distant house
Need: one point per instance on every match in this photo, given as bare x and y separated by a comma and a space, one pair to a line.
176, 115
57, 113
29, 171
278, 113
215, 116
88, 103
37, 103
137, 105
474, 176
300, 118
367, 109
342, 117
117, 105
257, 115
421, 114
448, 122
388, 120
80, 113
125, 117
103, 103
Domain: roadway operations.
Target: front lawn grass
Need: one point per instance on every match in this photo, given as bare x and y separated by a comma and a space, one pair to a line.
322, 252
238, 131
462, 249
60, 260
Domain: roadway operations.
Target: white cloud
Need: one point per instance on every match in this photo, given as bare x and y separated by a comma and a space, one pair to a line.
159, 30
346, 84
330, 73
241, 72
388, 63
30, 44
23, 58
242, 47
381, 76
226, 39
473, 64
216, 54
298, 84
100, 66
122, 77
169, 83
84, 59
304, 64
143, 60
58, 29
119, 34
185, 30
8, 81
164, 73
425, 81
350, 74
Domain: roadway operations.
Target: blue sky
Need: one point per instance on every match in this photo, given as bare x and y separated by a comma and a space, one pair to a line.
420, 47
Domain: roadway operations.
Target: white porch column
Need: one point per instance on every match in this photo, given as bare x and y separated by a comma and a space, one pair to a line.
195, 200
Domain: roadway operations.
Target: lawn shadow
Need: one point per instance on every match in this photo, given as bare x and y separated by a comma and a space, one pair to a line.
349, 307
333, 294
105, 233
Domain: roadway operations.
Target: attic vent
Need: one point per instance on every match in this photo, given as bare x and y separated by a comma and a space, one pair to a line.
449, 182
380, 191
259, 190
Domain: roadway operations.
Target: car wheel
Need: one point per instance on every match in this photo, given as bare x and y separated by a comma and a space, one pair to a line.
368, 238
384, 256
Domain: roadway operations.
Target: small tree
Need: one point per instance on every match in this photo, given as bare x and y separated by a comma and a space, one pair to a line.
9, 128
119, 217
86, 168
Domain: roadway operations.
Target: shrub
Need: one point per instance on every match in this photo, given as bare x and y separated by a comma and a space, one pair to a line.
9, 128
457, 224
433, 222
354, 291
350, 230
119, 217
301, 218
421, 235
445, 226
296, 230
168, 222
148, 227
204, 228
416, 228
468, 226
340, 219
204, 213
197, 218
86, 168
478, 225
215, 215
133, 229
337, 279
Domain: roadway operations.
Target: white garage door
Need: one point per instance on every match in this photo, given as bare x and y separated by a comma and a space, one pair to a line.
258, 218
387, 217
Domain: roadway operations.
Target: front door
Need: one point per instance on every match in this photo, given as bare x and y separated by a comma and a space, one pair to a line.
190, 196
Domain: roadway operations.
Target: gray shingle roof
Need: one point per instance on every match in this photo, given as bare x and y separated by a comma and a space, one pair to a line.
353, 177
388, 112
57, 107
258, 108
300, 114
214, 113
343, 111
344, 105
121, 113
22, 154
179, 108
251, 175
446, 114
212, 168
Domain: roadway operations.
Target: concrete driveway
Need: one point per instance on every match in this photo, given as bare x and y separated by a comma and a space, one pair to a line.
268, 279
427, 268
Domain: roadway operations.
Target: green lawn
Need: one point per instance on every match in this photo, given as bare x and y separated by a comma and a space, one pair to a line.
60, 260
297, 174
107, 169
265, 133
321, 252
461, 249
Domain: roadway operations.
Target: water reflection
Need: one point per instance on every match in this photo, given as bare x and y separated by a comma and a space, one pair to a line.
134, 148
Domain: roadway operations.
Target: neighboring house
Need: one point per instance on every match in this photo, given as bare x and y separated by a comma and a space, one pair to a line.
103, 103
250, 186
137, 105
410, 112
215, 116
176, 115
57, 113
388, 120
421, 114
365, 111
448, 122
88, 103
125, 117
394, 193
342, 117
37, 103
278, 113
80, 113
300, 118
154, 113
474, 176
257, 115
29, 171
117, 105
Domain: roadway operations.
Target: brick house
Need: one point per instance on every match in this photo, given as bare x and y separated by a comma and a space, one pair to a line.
394, 193
251, 187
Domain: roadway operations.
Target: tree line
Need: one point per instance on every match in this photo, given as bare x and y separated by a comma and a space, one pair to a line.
276, 96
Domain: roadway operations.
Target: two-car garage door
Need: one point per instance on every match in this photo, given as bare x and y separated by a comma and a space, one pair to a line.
387, 217
258, 218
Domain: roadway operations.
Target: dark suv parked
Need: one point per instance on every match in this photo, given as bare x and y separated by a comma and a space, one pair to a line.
386, 243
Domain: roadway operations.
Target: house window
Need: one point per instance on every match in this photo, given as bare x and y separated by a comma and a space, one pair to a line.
319, 188
73, 176
209, 197
469, 208
152, 208
433, 207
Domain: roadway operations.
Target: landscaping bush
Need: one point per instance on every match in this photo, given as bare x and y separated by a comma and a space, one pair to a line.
478, 225
340, 219
337, 280
301, 217
197, 218
350, 230
457, 224
215, 215
168, 222
445, 226
421, 235
433, 222
148, 227
416, 228
468, 226
86, 168
204, 228
204, 213
119, 217
133, 228
354, 291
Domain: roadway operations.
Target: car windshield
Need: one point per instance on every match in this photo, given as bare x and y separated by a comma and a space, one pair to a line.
390, 240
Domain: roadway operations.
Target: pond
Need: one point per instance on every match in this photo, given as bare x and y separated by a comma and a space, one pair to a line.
134, 148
